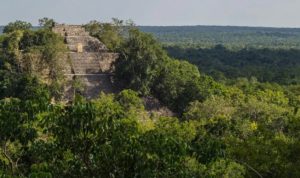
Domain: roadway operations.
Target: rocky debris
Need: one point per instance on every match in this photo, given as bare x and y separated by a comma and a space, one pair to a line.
154, 107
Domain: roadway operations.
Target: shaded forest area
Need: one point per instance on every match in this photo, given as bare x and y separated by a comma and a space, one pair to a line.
267, 65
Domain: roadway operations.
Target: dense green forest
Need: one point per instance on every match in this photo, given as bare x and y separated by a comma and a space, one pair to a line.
227, 127
225, 52
266, 65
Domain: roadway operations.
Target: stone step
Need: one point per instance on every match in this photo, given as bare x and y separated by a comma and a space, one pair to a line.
83, 62
92, 85
86, 67
86, 48
82, 39
86, 70
72, 33
76, 29
101, 56
100, 74
66, 30
90, 55
90, 61
89, 44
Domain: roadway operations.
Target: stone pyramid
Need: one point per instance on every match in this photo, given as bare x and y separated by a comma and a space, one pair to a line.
90, 62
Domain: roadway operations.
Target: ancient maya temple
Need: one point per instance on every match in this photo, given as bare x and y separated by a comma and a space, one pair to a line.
89, 62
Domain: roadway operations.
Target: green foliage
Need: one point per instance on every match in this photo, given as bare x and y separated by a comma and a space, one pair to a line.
166, 150
104, 138
140, 61
29, 88
10, 45
17, 25
23, 87
226, 169
144, 66
46, 22
173, 80
17, 131
111, 34
129, 99
32, 54
213, 107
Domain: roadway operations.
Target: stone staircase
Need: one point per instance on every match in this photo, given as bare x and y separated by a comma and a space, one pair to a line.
89, 60
92, 62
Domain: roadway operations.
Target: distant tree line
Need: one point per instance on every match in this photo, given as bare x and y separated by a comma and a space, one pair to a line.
229, 36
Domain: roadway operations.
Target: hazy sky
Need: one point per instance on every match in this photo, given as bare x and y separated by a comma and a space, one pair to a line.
278, 13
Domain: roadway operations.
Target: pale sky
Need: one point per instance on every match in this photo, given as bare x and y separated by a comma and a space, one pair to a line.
275, 13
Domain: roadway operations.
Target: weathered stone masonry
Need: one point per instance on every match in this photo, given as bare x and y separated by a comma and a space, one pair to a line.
89, 62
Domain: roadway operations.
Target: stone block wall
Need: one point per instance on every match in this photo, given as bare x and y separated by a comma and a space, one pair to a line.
89, 63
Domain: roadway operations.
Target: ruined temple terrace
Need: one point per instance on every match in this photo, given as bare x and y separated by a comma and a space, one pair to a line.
89, 61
